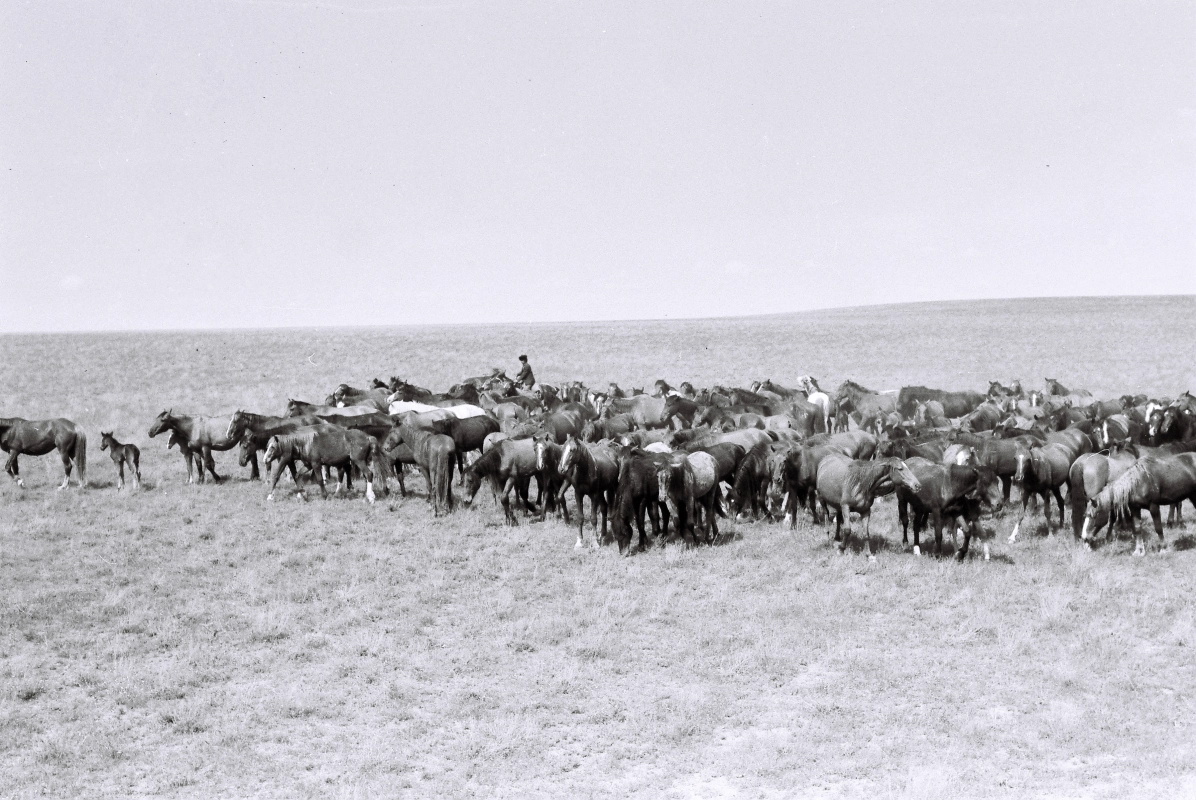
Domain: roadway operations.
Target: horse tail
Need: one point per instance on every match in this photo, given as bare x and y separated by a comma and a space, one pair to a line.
445, 479
79, 456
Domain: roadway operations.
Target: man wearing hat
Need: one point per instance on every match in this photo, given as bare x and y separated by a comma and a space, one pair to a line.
525, 378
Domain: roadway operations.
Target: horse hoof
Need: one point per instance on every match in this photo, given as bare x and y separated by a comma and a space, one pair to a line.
270, 497
578, 545
871, 558
917, 550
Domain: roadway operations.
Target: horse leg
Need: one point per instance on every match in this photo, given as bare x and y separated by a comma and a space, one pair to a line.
1017, 525
1059, 500
938, 531
254, 474
1139, 545
66, 467
506, 501
1157, 517
866, 518
1006, 483
210, 463
13, 469
903, 515
427, 483
278, 468
137, 471
581, 516
120, 477
839, 517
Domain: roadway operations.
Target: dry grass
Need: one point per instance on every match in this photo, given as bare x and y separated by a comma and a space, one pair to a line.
197, 641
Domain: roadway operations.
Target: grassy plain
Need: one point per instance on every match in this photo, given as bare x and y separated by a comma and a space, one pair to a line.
197, 641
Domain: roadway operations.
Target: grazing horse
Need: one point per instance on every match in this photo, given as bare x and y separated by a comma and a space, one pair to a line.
593, 471
1042, 471
122, 454
1089, 474
508, 465
947, 491
38, 437
1149, 483
324, 446
852, 485
434, 455
203, 435
751, 480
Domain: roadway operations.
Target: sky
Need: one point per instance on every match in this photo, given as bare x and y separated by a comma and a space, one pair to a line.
258, 164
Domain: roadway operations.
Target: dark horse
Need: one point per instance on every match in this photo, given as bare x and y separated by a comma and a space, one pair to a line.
593, 470
947, 490
201, 435
848, 484
123, 454
325, 446
434, 455
1151, 482
38, 437
638, 491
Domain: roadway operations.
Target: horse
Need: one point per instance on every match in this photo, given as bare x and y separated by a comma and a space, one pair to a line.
597, 429
551, 480
468, 434
122, 454
253, 432
37, 438
324, 446
1115, 430
1149, 483
751, 480
433, 453
998, 392
638, 492
203, 434
593, 471
947, 490
853, 485
1089, 474
930, 414
346, 395
676, 406
1042, 471
1179, 419
508, 465
864, 404
1001, 456
298, 408
955, 404
984, 417
646, 411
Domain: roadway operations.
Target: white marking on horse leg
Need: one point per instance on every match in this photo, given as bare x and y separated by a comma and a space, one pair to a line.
917, 550
1084, 529
986, 551
369, 492
1013, 536
270, 496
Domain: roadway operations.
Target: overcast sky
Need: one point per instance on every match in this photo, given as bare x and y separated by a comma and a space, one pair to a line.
221, 164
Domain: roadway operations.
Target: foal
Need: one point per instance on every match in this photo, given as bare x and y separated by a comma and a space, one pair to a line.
123, 454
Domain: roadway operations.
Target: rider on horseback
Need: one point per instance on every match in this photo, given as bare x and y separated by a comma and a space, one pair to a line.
525, 378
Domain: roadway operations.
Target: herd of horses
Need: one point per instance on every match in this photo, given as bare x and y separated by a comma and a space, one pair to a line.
683, 457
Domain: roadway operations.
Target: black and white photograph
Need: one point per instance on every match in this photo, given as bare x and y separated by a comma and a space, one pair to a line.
466, 399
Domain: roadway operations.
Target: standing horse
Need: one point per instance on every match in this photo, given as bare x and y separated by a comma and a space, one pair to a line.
863, 405
434, 454
593, 471
947, 491
1151, 482
38, 437
324, 446
1042, 471
852, 485
202, 436
122, 454
638, 492
552, 481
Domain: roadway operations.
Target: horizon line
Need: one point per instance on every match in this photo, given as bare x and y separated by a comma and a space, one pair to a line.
770, 315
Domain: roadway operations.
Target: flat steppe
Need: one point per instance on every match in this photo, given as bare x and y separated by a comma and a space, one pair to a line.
197, 641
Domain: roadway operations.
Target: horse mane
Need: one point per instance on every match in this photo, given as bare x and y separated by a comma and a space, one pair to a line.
1121, 490
863, 474
488, 462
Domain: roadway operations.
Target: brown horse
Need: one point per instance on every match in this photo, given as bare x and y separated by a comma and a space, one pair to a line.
593, 470
852, 485
1151, 482
324, 446
122, 454
1042, 471
434, 454
202, 435
38, 437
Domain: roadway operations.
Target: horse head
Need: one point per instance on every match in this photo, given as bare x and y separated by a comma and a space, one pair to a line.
245, 451
162, 422
106, 440
900, 473
273, 449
